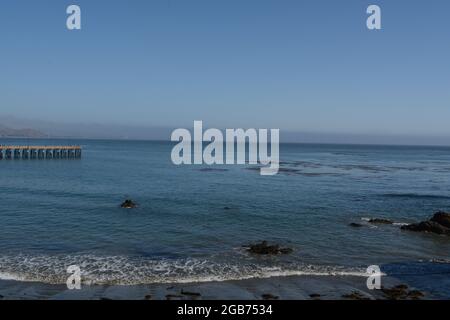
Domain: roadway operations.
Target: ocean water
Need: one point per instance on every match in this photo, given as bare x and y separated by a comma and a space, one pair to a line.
192, 221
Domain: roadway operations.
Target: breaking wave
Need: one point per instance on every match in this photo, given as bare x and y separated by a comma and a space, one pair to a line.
394, 223
119, 270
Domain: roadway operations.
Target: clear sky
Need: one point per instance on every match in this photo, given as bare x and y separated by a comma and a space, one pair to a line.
308, 65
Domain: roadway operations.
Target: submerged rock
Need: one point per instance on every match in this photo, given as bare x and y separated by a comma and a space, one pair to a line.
438, 224
314, 296
381, 221
265, 249
148, 297
128, 204
355, 225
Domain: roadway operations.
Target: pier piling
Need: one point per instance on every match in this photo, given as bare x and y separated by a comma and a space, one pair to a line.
39, 152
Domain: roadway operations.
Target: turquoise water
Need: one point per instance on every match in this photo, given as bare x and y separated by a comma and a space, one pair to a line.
192, 221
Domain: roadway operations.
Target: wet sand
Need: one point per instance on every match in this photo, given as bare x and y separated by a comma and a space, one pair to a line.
284, 288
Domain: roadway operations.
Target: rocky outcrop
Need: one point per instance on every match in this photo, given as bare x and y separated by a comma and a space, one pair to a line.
427, 226
438, 224
128, 204
264, 248
442, 218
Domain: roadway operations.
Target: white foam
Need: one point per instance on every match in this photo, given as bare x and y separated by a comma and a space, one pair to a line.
10, 276
400, 224
132, 271
394, 223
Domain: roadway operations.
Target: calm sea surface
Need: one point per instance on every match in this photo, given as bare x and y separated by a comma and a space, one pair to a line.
192, 222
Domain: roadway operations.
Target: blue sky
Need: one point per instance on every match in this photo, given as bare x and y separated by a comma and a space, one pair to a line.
295, 65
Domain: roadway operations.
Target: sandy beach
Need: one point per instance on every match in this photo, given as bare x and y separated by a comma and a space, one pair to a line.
285, 288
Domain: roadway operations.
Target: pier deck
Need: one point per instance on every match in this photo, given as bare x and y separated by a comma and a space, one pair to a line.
39, 152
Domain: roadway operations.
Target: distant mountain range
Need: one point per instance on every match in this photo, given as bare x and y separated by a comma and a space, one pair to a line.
16, 127
68, 130
6, 132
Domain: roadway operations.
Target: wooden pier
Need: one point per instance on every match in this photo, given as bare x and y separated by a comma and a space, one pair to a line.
39, 152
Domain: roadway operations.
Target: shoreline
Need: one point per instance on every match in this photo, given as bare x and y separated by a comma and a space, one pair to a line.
282, 288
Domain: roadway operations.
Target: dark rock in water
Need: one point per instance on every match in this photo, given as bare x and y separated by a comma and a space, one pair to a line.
192, 294
265, 248
128, 204
401, 292
439, 224
148, 297
381, 221
226, 208
1, 297
314, 295
268, 296
355, 225
427, 226
442, 218
355, 295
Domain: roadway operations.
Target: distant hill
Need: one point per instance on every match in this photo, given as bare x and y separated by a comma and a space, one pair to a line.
6, 132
